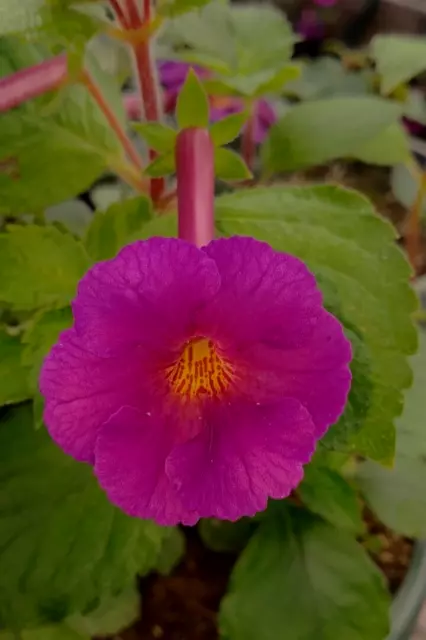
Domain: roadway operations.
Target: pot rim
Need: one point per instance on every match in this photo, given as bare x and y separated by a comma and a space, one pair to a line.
410, 596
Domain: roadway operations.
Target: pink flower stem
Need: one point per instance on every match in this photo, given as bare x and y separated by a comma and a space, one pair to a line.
119, 13
32, 82
113, 122
248, 144
150, 91
195, 186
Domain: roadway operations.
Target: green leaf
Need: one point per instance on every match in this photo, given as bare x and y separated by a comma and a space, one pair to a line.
39, 267
405, 184
111, 230
290, 72
399, 58
389, 147
229, 165
173, 8
397, 496
338, 235
43, 266
13, 375
111, 616
192, 107
63, 547
324, 492
165, 225
220, 535
52, 632
40, 336
226, 130
319, 131
327, 77
157, 136
48, 153
302, 577
73, 216
162, 166
171, 552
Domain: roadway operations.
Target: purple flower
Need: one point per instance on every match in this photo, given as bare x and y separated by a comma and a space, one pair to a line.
172, 77
196, 381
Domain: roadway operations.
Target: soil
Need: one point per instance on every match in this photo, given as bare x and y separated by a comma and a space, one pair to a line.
184, 605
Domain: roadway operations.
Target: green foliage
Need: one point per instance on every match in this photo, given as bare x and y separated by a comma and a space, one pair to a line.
50, 152
41, 334
161, 166
110, 230
398, 58
389, 147
14, 385
63, 547
171, 552
405, 183
303, 576
319, 131
221, 535
248, 47
158, 136
192, 107
226, 130
51, 632
397, 495
324, 492
111, 616
229, 165
172, 8
39, 267
341, 239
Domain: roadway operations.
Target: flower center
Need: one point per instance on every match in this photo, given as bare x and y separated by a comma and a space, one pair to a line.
199, 371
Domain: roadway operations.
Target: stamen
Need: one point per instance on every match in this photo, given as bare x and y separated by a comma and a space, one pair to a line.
200, 371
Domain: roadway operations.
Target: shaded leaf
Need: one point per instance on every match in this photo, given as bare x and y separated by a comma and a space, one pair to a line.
226, 130
397, 495
162, 166
399, 58
319, 131
63, 547
303, 576
324, 492
14, 385
220, 535
171, 552
111, 230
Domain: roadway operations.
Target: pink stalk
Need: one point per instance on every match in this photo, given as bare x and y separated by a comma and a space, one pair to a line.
195, 186
32, 82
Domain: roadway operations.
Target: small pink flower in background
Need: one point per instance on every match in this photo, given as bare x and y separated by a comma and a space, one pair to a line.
172, 77
196, 381
310, 26
325, 3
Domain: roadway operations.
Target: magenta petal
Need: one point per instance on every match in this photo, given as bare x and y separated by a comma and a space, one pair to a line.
130, 458
244, 455
144, 297
265, 295
82, 391
264, 117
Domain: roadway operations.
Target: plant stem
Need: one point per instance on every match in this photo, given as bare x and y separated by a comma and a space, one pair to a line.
32, 82
112, 120
195, 186
120, 15
413, 229
150, 93
134, 18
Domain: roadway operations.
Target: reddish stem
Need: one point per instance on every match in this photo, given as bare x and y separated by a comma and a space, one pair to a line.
133, 14
195, 186
151, 102
32, 82
120, 15
114, 123
413, 240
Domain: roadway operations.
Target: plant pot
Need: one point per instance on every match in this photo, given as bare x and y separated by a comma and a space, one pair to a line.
410, 597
